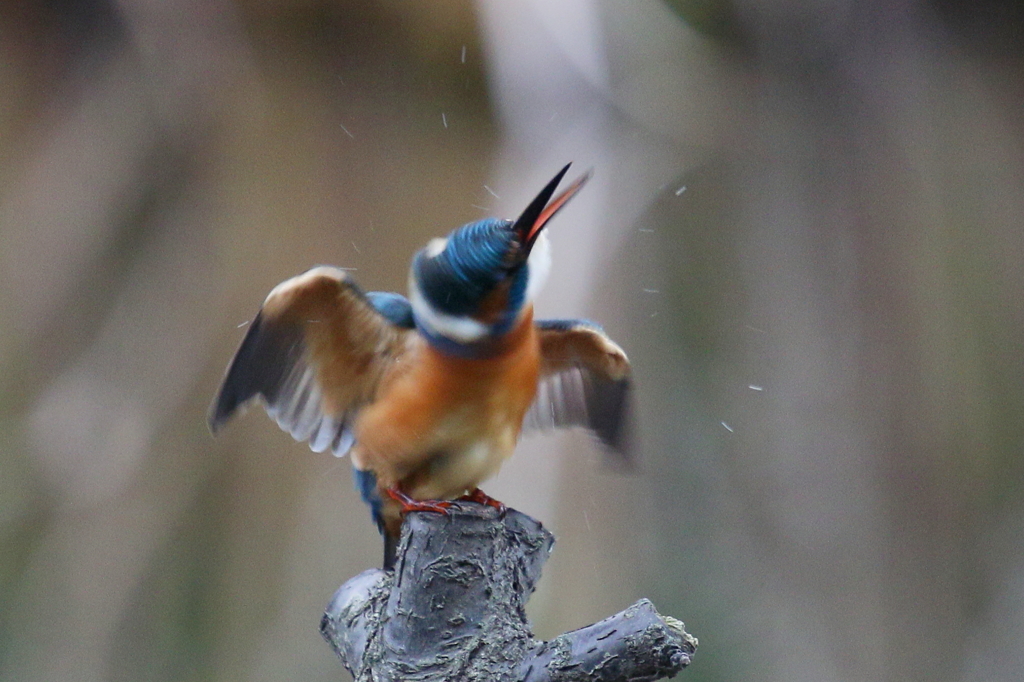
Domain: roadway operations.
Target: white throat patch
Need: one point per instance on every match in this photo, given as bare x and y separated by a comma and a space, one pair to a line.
539, 266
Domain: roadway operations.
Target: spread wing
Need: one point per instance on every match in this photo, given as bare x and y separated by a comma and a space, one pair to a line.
585, 381
314, 355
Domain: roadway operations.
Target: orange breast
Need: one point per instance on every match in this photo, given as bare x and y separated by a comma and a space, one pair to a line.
442, 424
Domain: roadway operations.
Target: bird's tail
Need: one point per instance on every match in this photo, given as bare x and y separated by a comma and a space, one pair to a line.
366, 484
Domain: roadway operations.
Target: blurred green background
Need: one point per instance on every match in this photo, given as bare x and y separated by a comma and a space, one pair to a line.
806, 227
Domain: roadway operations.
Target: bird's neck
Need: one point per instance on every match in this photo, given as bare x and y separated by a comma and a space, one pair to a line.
487, 348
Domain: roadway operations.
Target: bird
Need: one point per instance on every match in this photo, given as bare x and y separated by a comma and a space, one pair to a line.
430, 394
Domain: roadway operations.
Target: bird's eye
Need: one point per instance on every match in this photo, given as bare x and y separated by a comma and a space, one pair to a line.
435, 247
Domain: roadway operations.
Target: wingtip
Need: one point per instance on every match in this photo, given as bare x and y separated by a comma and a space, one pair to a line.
618, 433
217, 415
228, 400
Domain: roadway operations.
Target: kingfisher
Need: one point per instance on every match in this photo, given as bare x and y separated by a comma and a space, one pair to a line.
429, 394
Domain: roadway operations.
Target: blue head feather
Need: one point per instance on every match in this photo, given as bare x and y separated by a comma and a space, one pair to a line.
475, 259
453, 280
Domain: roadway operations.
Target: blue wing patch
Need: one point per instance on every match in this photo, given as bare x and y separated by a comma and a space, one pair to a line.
395, 307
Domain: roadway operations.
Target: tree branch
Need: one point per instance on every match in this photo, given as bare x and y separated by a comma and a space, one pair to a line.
454, 609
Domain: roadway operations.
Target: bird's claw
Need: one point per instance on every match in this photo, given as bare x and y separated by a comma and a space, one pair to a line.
480, 497
411, 505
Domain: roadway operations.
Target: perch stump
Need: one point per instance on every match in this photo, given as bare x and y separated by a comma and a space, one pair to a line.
453, 610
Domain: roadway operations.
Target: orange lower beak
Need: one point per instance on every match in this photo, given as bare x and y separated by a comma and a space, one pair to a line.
543, 208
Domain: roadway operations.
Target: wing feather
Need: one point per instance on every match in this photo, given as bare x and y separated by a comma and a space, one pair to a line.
314, 355
585, 381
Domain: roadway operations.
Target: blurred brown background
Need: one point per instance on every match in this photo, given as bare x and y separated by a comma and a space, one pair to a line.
805, 227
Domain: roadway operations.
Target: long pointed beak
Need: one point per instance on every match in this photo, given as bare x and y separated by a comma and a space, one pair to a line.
541, 210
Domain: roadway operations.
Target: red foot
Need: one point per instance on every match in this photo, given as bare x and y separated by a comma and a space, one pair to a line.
411, 505
480, 497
